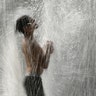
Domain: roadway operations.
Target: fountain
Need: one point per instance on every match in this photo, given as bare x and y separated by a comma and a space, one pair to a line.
71, 26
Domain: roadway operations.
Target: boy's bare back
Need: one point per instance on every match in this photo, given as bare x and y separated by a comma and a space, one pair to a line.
33, 52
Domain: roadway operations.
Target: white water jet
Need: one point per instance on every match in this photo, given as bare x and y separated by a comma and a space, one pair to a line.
71, 26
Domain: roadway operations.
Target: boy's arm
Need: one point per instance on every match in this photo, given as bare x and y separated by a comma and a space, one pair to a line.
44, 58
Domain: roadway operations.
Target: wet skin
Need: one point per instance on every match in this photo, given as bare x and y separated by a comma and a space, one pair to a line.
36, 58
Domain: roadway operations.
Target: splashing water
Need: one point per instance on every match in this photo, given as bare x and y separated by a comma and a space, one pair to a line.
70, 24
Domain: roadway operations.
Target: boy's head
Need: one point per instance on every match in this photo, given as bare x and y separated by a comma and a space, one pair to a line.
22, 22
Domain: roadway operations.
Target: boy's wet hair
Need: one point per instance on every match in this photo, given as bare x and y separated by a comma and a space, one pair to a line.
21, 22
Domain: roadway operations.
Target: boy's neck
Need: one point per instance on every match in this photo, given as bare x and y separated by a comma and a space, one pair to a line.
29, 37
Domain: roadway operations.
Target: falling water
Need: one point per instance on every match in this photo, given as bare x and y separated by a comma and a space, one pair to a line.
70, 24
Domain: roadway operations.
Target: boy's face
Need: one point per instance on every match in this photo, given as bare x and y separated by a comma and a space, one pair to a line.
30, 27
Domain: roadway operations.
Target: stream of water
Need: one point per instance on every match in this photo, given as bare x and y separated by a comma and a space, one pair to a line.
70, 24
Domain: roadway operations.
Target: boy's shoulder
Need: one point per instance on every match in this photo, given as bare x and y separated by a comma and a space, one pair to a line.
23, 42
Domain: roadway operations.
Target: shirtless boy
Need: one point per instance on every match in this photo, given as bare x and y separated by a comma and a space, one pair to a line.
36, 59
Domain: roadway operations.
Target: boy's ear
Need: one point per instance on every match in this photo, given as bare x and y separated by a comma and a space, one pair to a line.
25, 28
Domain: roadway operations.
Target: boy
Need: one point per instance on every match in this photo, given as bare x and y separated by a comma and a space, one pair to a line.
35, 57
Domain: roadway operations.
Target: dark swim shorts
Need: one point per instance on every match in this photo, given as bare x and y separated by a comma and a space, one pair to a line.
33, 85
